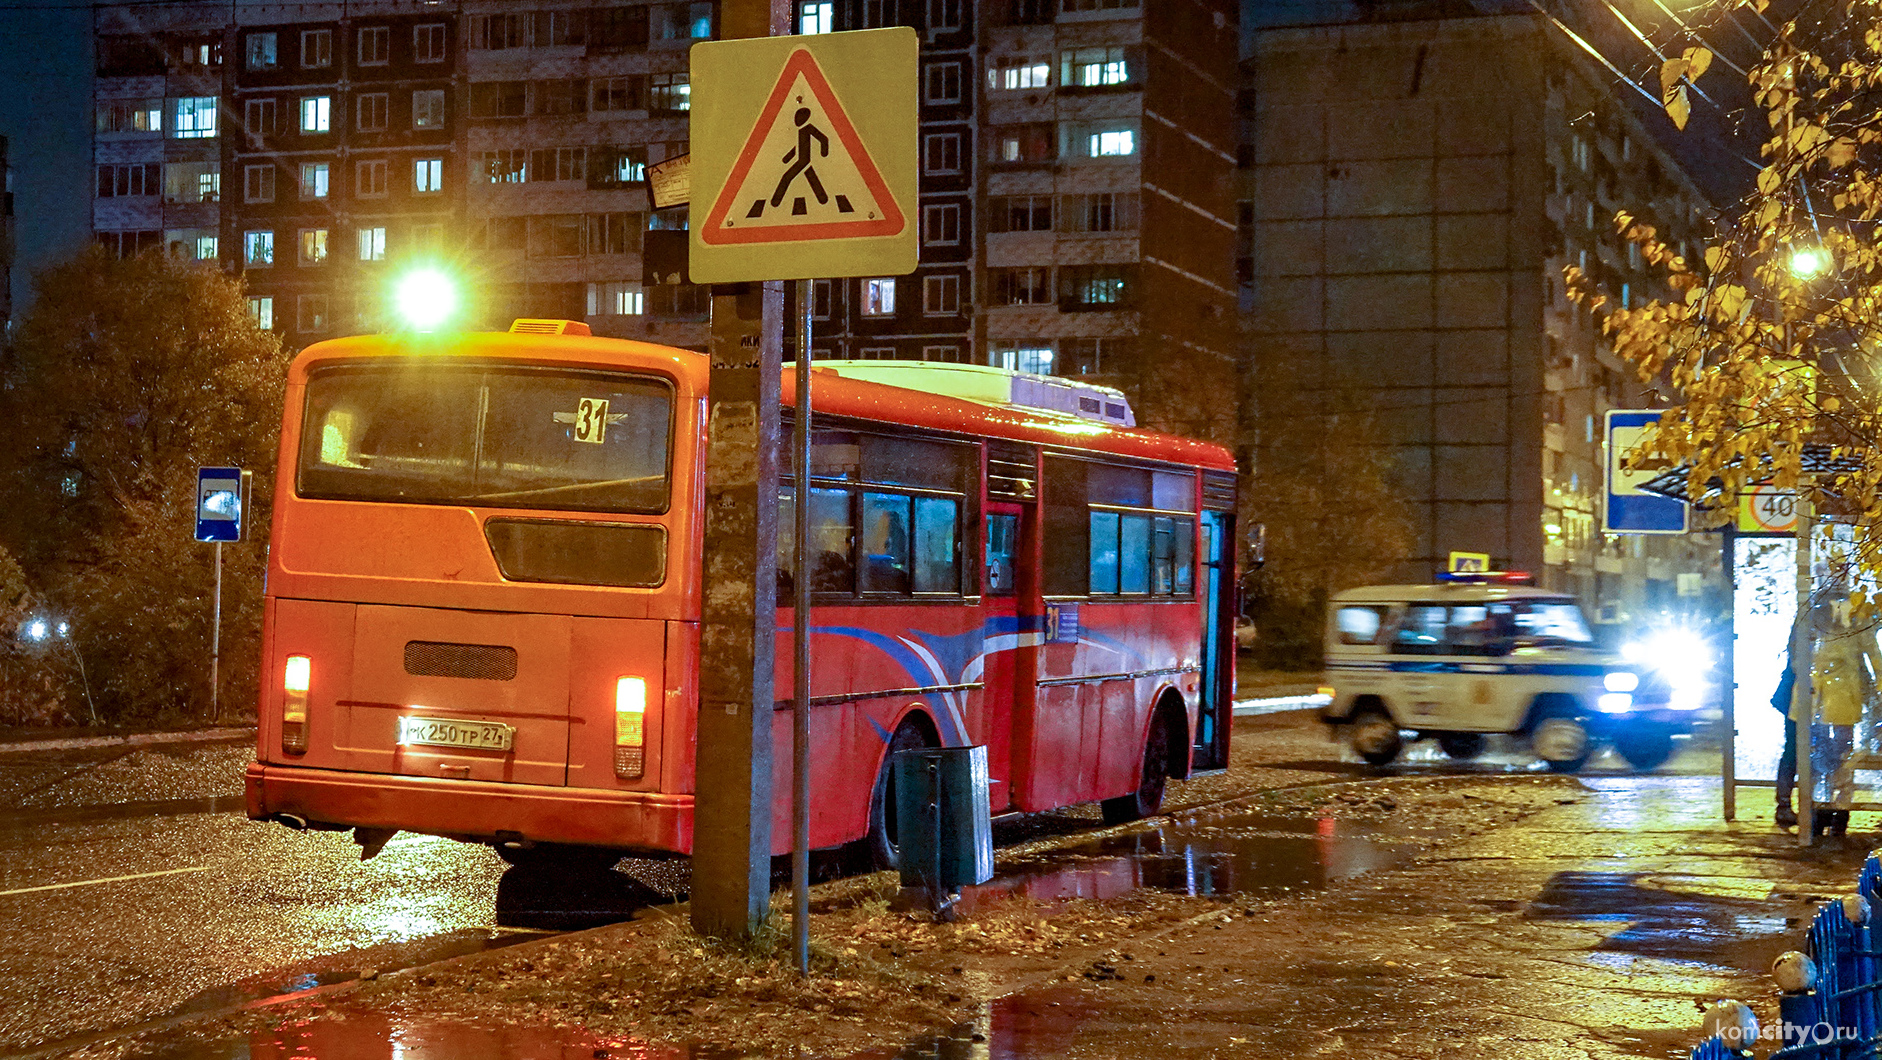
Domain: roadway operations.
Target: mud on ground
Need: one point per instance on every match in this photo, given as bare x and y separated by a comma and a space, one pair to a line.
881, 977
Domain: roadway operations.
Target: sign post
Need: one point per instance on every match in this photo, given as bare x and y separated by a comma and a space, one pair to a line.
221, 493
802, 166
1630, 509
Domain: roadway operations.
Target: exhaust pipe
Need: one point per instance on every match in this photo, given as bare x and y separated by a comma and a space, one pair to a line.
299, 824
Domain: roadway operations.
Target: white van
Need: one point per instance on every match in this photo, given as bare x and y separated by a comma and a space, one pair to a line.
1481, 653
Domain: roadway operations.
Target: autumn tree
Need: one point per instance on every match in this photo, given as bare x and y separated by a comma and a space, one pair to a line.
125, 377
1334, 519
1770, 349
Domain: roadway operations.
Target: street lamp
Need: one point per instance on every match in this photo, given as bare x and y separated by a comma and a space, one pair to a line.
1807, 263
425, 298
38, 629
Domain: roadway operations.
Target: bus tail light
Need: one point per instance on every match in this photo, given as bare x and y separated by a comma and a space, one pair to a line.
295, 677
630, 729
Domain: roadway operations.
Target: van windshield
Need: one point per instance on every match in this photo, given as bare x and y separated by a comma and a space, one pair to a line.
510, 437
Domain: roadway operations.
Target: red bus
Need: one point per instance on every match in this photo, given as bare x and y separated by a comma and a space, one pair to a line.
484, 583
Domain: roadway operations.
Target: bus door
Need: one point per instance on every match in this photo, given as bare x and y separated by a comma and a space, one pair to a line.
1218, 648
1001, 555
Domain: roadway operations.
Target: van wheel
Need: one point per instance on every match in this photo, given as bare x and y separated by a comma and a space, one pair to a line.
1148, 798
1376, 737
880, 847
1645, 748
1561, 739
1462, 746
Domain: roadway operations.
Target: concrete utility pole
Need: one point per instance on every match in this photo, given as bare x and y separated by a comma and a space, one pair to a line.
731, 892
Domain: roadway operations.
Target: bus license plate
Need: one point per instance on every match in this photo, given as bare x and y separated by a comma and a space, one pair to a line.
437, 732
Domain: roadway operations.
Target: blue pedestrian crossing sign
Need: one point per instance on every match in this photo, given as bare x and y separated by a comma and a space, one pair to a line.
219, 504
1629, 509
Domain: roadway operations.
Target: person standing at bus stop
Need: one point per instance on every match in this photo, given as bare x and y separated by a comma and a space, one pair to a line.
1786, 815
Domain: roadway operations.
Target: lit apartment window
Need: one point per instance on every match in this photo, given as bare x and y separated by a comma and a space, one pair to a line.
261, 311
943, 83
682, 21
316, 48
941, 225
669, 92
941, 295
1021, 357
615, 300
507, 166
316, 113
369, 178
1096, 286
257, 249
373, 110
941, 153
313, 246
311, 313
261, 51
1093, 67
1111, 143
375, 45
195, 118
1012, 75
131, 116
1025, 144
428, 43
428, 108
879, 298
186, 182
428, 175
261, 117
314, 176
191, 244
372, 244
816, 16
258, 183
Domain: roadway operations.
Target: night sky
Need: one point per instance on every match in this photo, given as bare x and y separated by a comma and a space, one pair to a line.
45, 114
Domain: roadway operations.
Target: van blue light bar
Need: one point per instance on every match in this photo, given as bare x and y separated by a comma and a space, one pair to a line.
1487, 577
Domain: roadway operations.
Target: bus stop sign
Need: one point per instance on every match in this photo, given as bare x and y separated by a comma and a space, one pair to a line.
1629, 509
219, 504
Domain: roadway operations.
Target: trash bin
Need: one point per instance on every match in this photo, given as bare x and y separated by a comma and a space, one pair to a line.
942, 823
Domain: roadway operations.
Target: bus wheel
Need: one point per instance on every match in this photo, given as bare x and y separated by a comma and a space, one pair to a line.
1462, 746
880, 844
1148, 798
1561, 739
1376, 737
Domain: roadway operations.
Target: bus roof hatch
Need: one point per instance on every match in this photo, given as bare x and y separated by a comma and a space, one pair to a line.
534, 326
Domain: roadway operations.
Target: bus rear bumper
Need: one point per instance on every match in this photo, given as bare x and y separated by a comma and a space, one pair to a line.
472, 811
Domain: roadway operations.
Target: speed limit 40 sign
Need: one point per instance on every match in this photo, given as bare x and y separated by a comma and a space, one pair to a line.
1767, 510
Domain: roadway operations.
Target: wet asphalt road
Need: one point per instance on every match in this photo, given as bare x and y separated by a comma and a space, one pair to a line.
215, 908
131, 886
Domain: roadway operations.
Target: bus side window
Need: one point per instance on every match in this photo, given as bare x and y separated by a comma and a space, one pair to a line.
831, 570
1104, 552
1002, 539
885, 543
936, 570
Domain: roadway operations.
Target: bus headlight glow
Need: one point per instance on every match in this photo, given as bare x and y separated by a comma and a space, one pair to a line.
296, 677
630, 729
425, 298
1621, 681
1615, 703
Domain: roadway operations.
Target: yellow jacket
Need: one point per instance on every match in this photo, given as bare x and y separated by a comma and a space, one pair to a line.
1839, 675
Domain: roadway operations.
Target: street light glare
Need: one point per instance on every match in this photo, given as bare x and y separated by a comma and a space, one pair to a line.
1809, 262
425, 298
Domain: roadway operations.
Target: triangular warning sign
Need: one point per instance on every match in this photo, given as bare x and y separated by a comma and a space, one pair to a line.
803, 173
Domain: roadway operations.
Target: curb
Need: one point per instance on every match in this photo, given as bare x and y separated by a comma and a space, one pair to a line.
136, 739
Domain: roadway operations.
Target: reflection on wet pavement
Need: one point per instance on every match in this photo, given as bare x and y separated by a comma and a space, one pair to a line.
1674, 918
1251, 854
121, 810
375, 1036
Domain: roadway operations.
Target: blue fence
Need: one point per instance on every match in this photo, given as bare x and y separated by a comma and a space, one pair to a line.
1831, 1007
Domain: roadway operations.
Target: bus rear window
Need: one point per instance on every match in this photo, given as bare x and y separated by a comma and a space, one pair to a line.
499, 438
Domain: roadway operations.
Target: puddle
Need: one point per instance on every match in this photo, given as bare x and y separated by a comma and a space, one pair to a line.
373, 1036
1251, 854
1686, 919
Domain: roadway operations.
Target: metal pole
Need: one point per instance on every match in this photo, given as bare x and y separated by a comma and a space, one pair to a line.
800, 642
1803, 698
1729, 671
215, 647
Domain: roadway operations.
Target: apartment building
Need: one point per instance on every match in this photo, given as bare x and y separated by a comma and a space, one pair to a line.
1411, 194
1076, 187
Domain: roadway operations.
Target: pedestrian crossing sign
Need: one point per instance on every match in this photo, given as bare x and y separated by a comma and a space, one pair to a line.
803, 156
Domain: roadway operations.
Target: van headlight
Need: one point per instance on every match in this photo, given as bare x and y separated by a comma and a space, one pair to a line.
1621, 681
1615, 703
